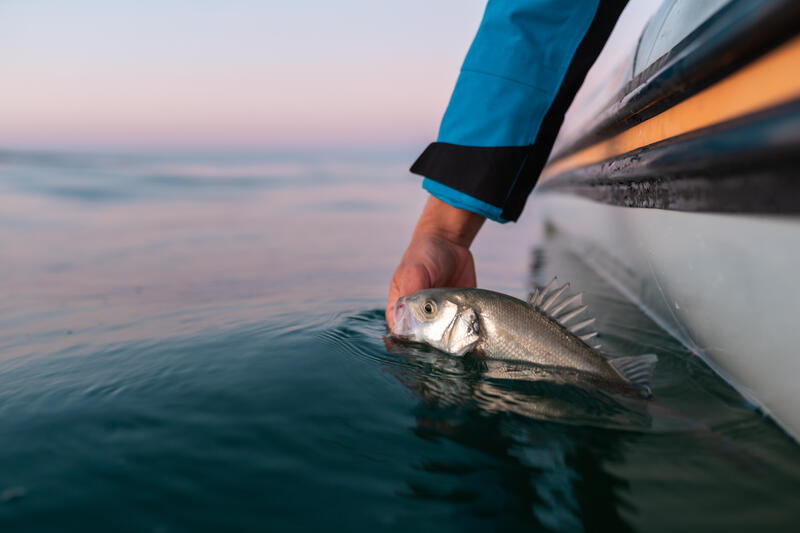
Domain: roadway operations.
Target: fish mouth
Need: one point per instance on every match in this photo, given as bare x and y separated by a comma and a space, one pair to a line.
403, 320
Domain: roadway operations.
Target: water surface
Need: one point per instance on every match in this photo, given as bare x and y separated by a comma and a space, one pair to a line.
197, 344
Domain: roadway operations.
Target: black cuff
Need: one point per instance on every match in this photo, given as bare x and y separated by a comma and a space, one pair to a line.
485, 173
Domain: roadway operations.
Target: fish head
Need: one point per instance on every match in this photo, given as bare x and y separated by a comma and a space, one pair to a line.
441, 318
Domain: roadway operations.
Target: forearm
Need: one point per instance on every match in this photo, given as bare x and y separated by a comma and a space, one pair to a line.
442, 220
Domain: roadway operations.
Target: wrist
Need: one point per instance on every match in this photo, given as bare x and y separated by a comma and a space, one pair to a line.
440, 219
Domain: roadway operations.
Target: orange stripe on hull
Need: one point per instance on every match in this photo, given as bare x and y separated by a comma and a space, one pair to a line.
771, 80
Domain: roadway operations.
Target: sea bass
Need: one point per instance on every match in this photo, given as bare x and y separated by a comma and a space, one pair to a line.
494, 325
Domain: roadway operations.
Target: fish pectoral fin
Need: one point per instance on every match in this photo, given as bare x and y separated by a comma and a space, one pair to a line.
637, 370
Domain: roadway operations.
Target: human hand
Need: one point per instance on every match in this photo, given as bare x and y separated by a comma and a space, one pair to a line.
438, 255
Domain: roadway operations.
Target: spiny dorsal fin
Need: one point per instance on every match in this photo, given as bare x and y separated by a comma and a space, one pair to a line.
638, 370
567, 302
540, 297
566, 317
580, 325
553, 298
532, 296
551, 301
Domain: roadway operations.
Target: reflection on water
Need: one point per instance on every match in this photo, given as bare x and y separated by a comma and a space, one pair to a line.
527, 390
197, 344
545, 468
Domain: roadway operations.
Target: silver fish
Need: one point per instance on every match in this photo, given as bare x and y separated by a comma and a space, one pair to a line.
497, 326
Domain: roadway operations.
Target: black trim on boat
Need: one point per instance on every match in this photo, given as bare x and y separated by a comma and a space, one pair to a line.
746, 165
735, 35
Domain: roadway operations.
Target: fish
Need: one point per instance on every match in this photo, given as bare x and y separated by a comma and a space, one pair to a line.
493, 325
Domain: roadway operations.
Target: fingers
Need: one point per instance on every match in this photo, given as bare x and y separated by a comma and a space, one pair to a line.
390, 305
407, 279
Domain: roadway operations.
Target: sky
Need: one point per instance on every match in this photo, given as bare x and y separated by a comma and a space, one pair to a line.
229, 75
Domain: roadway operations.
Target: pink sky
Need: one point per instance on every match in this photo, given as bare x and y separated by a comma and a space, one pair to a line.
91, 74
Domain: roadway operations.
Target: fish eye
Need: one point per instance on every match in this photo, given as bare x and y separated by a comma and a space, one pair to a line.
429, 307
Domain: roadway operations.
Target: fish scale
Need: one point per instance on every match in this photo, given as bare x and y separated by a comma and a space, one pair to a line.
515, 330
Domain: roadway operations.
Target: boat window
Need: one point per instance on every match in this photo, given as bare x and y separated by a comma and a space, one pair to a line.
675, 20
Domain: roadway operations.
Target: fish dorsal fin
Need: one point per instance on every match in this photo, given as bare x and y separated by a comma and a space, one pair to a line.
638, 370
563, 307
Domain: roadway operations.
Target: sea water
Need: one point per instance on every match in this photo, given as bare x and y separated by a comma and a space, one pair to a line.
197, 343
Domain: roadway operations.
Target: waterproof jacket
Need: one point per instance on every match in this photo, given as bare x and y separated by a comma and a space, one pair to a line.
527, 61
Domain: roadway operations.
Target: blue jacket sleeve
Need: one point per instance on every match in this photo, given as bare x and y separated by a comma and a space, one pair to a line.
522, 71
